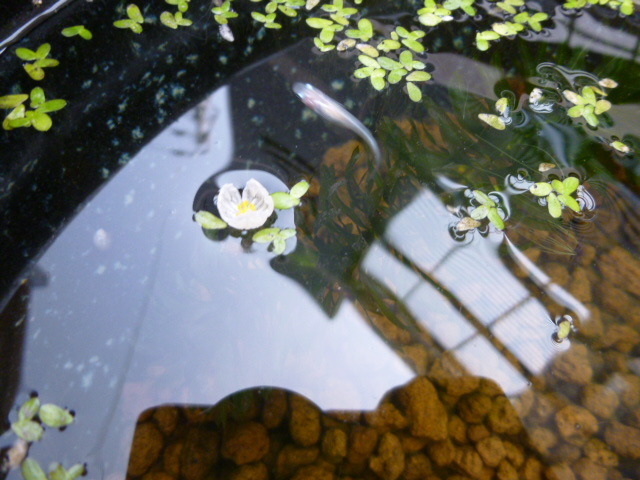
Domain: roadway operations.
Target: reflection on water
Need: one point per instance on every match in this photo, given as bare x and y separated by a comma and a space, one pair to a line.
379, 344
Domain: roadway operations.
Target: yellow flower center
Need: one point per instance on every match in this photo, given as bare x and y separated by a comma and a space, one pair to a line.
245, 207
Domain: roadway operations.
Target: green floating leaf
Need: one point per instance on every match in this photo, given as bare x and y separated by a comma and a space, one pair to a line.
279, 245
209, 221
554, 205
388, 63
418, 77
378, 82
28, 430
168, 20
415, 94
34, 71
564, 328
266, 235
31, 470
29, 409
12, 101
37, 97
55, 416
396, 75
26, 54
495, 219
299, 189
569, 202
575, 111
483, 198
618, 145
52, 106
43, 50
284, 200
318, 23
57, 472
570, 185
287, 233
368, 50
133, 12
479, 212
541, 189
492, 120
41, 122
602, 106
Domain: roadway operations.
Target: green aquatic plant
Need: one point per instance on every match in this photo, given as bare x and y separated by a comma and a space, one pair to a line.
32, 415
135, 20
488, 209
620, 147
286, 200
77, 30
516, 21
31, 470
495, 121
433, 14
276, 237
39, 60
174, 20
209, 221
587, 105
181, 5
37, 118
558, 194
272, 8
625, 7
223, 13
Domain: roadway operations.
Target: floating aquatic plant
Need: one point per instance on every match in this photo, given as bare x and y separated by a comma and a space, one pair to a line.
275, 236
272, 8
625, 7
488, 209
558, 194
135, 20
182, 5
495, 121
37, 118
223, 13
77, 30
587, 105
31, 470
209, 221
621, 147
284, 200
174, 20
39, 60
517, 20
32, 414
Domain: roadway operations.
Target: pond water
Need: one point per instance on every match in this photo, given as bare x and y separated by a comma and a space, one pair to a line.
440, 312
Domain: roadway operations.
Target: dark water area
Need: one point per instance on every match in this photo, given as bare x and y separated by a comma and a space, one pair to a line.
393, 337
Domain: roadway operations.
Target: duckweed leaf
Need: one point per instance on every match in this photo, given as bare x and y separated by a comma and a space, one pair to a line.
52, 106
57, 472
388, 45
29, 409
495, 219
608, 83
467, 223
12, 101
618, 145
31, 470
266, 235
368, 61
541, 189
378, 82
287, 233
318, 23
413, 45
279, 245
396, 75
284, 200
167, 19
418, 77
554, 206
133, 12
363, 72
55, 416
34, 71
502, 105
28, 430
602, 106
26, 54
483, 198
368, 50
209, 221
320, 45
388, 63
299, 189
40, 121
37, 97
569, 202
575, 111
570, 185
78, 30
492, 120
480, 212
415, 94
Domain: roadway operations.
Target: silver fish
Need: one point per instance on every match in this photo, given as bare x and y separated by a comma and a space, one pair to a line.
334, 112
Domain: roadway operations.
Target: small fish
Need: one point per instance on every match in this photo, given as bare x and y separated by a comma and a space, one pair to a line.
334, 112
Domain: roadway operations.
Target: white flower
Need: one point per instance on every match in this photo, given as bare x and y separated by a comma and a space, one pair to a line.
247, 212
